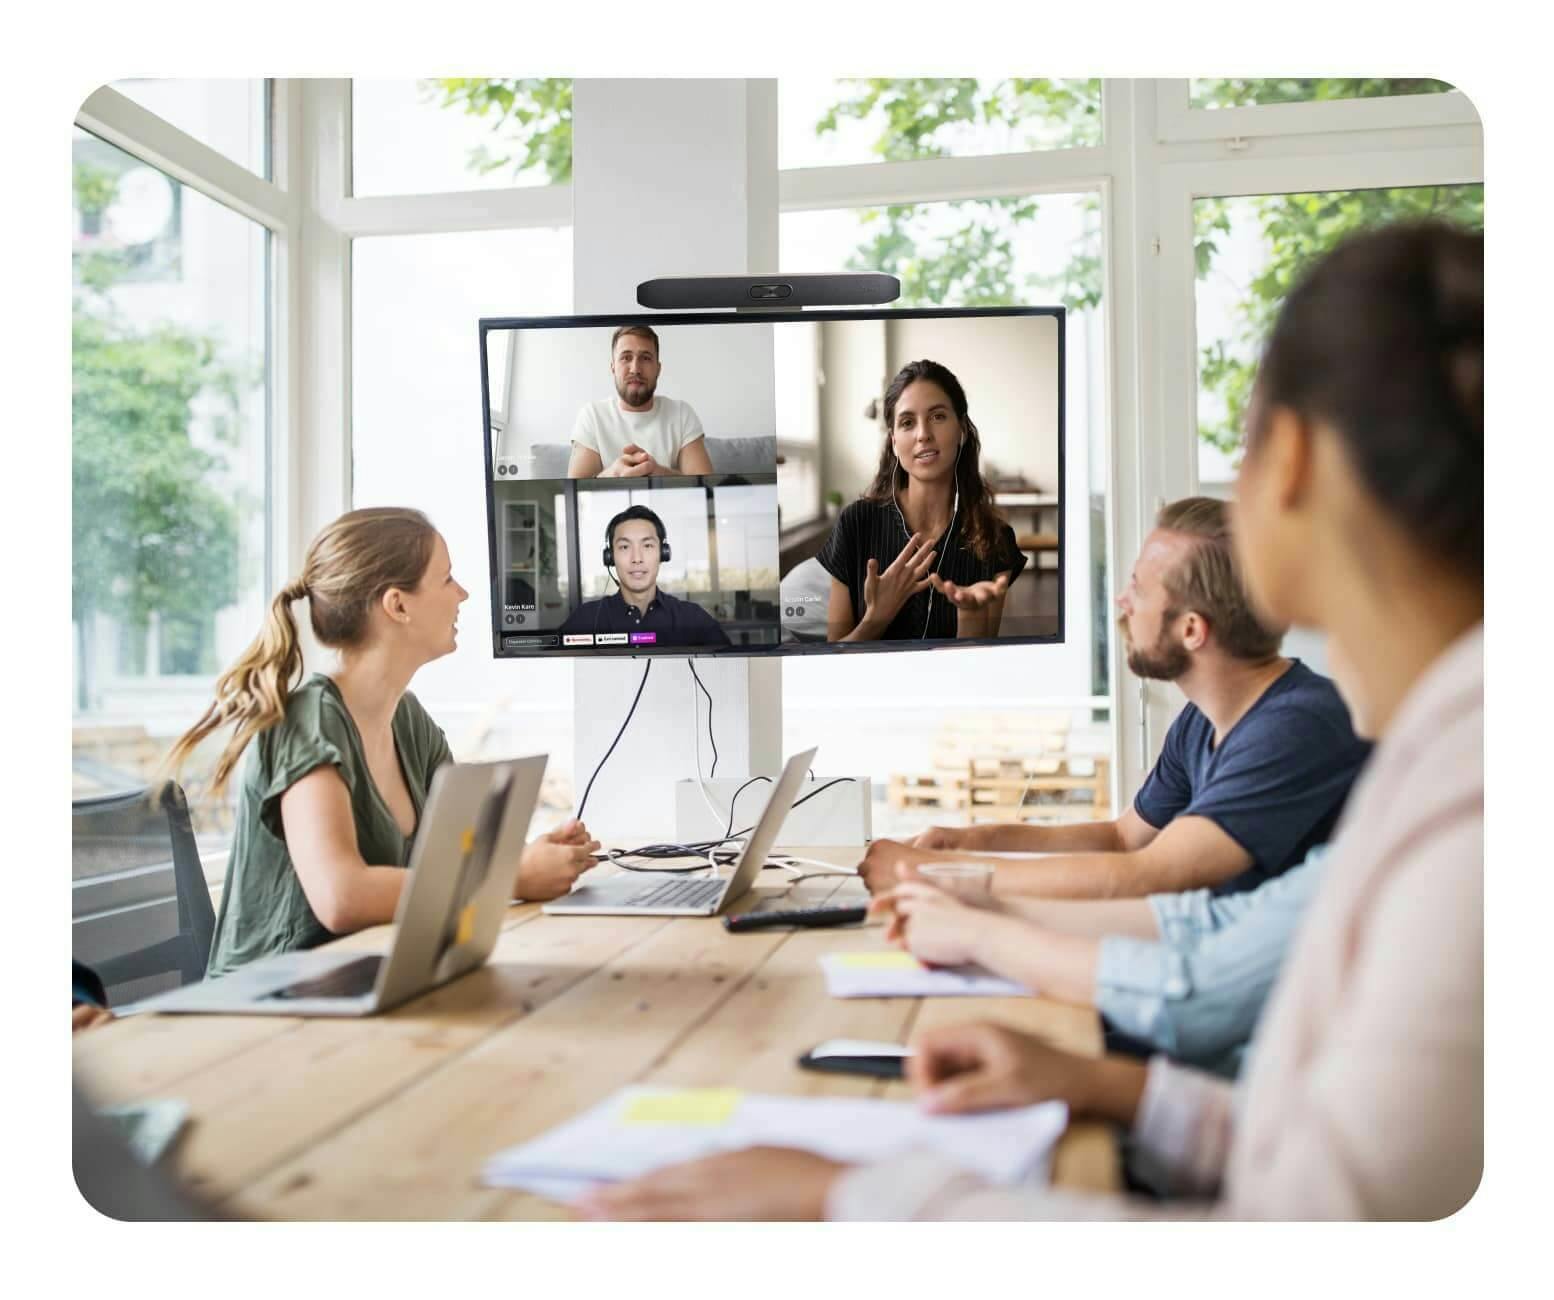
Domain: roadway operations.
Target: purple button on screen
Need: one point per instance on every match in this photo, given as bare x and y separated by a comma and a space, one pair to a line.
644, 638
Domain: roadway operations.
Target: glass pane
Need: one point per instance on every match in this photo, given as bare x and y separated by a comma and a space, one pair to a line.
433, 135
417, 441
1250, 252
168, 459
230, 115
824, 122
1235, 92
978, 252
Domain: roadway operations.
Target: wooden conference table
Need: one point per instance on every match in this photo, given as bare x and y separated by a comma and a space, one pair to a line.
391, 1117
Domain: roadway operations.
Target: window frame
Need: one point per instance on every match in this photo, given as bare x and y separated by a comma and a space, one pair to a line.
1180, 122
1157, 157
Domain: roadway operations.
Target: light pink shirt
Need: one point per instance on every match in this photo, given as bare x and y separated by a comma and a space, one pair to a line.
1364, 1095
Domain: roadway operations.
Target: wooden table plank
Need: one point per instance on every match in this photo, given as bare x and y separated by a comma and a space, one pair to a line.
393, 1117
419, 1155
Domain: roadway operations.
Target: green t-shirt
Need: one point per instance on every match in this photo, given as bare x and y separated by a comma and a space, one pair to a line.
263, 908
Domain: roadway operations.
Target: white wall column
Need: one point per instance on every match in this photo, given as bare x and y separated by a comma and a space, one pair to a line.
672, 177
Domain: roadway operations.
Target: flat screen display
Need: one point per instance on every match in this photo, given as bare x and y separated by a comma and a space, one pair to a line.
737, 483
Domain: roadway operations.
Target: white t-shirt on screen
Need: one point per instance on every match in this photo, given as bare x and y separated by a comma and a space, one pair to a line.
605, 428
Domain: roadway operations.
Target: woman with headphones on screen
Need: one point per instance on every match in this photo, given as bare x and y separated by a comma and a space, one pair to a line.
922, 555
337, 778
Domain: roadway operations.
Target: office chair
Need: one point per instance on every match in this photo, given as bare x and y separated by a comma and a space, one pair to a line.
112, 836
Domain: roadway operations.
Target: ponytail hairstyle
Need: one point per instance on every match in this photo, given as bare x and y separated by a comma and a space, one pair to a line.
980, 523
348, 567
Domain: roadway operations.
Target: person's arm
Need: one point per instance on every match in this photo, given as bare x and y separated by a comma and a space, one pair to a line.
1199, 1001
585, 462
1126, 833
345, 893
1135, 917
1190, 853
941, 930
693, 458
887, 861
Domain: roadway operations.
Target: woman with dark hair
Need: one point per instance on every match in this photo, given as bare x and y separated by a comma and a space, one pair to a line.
339, 766
922, 555
1359, 511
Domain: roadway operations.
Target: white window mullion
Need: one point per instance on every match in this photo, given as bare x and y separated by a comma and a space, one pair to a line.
432, 214
1178, 120
126, 125
930, 180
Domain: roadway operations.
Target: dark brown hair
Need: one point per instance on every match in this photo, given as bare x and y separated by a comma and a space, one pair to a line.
1208, 582
346, 571
980, 522
1383, 341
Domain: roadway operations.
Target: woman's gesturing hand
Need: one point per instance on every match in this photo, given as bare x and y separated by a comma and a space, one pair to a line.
885, 593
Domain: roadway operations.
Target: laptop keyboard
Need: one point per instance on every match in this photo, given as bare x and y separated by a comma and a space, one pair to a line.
680, 893
353, 980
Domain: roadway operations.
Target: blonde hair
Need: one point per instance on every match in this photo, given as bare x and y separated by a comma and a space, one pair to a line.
1208, 581
348, 567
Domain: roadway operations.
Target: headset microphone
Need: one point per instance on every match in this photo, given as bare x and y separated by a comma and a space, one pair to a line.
954, 515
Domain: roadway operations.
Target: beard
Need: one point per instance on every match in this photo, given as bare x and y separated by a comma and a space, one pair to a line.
1164, 661
635, 392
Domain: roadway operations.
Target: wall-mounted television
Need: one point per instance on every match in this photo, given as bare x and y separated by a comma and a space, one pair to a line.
760, 483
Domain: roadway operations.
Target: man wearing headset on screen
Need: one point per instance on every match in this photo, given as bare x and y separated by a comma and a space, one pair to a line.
638, 433
638, 613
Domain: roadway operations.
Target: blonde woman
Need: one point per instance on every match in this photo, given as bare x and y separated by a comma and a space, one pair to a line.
340, 764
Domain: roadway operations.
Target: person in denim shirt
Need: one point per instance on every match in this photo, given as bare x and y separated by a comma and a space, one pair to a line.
1185, 974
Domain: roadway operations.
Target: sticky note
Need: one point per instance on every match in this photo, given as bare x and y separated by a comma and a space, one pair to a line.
467, 841
683, 1106
466, 930
879, 961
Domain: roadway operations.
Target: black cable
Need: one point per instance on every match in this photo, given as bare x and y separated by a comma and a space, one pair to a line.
691, 664
837, 781
589, 789
729, 829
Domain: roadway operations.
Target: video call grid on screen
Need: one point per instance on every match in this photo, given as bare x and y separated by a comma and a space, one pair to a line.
772, 524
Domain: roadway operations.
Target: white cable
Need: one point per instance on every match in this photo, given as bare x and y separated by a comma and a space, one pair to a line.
785, 861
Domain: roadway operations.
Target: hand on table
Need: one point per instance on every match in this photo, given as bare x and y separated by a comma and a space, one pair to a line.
935, 927
83, 1015
759, 1183
888, 862
984, 1066
552, 863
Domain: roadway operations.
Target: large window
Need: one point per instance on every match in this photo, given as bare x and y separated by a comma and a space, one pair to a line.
417, 441
1020, 249
1250, 251
1237, 92
232, 116
875, 119
438, 134
169, 460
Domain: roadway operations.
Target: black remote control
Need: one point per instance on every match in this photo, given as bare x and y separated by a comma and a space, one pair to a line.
802, 916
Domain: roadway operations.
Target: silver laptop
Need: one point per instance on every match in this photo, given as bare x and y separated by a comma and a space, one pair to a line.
651, 895
462, 868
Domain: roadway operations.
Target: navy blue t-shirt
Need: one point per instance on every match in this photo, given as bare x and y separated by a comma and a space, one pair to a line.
1277, 783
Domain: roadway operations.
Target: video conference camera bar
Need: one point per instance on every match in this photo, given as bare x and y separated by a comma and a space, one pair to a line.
846, 289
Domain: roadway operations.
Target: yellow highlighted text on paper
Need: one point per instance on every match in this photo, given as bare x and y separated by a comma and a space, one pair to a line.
683, 1106
879, 961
